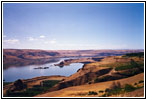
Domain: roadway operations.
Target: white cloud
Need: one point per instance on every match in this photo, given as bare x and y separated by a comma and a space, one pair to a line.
32, 39
46, 42
42, 36
11, 41
53, 41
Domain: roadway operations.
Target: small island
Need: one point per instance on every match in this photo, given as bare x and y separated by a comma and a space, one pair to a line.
42, 68
80, 60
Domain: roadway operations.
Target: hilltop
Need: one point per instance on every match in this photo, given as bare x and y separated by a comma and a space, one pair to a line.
110, 76
96, 76
22, 57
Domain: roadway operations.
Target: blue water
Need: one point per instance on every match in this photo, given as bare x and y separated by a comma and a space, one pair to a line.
26, 72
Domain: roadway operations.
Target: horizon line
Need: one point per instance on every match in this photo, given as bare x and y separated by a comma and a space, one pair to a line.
69, 49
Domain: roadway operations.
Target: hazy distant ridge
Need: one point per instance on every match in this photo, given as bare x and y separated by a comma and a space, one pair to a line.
21, 57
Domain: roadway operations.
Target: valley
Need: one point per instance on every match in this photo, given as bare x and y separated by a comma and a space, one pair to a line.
99, 73
22, 57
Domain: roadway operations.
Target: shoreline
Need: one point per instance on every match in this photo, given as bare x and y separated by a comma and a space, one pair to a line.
95, 72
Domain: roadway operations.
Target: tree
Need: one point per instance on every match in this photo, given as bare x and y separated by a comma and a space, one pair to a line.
19, 85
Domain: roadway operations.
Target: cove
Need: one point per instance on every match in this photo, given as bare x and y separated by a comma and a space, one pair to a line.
25, 72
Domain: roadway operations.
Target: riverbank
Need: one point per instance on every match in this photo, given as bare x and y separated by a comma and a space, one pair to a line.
23, 57
123, 72
10, 75
79, 60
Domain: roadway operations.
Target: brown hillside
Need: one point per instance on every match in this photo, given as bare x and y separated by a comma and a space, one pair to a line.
75, 90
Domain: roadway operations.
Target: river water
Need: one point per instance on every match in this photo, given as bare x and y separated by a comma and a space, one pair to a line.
26, 72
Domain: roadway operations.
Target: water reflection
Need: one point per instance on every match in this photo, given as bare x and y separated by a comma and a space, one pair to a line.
60, 66
37, 62
25, 72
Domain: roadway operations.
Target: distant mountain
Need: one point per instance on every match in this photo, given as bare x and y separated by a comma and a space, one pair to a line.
21, 57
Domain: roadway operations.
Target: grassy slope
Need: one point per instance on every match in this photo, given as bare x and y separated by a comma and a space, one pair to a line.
93, 67
34, 81
73, 91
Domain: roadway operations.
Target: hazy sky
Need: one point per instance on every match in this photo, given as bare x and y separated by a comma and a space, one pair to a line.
73, 25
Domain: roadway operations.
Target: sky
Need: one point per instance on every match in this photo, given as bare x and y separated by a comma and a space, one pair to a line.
73, 26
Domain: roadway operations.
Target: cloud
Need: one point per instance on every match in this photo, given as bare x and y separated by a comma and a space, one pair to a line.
51, 42
11, 41
32, 39
42, 36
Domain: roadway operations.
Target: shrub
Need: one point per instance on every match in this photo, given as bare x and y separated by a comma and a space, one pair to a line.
135, 83
141, 81
101, 91
115, 91
36, 89
140, 54
89, 82
132, 64
92, 93
104, 95
118, 84
107, 90
96, 80
119, 90
115, 85
129, 88
49, 83
19, 85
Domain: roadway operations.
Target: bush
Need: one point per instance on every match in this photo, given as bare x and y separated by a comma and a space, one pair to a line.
107, 90
115, 88
140, 54
101, 91
96, 80
129, 88
92, 93
49, 83
36, 89
19, 85
141, 81
115, 91
89, 82
119, 90
115, 85
104, 95
132, 64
